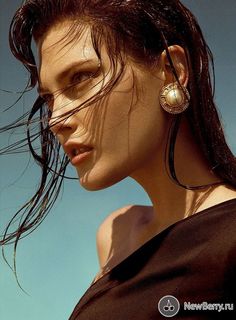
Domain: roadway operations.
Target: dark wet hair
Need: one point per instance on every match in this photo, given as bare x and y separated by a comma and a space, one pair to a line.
141, 29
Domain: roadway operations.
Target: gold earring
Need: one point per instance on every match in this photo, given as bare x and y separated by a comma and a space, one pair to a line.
174, 99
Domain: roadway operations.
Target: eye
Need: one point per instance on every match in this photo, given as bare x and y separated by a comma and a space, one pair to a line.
79, 77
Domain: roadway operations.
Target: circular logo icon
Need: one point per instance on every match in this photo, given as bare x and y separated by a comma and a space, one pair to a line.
168, 306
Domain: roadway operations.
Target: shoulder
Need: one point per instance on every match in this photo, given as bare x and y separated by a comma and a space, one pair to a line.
105, 232
116, 226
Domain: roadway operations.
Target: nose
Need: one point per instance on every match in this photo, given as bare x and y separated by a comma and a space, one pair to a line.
62, 118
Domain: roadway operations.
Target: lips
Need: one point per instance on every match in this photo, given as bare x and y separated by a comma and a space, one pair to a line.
78, 150
73, 149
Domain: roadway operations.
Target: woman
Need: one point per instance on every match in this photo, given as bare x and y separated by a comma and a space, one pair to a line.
122, 86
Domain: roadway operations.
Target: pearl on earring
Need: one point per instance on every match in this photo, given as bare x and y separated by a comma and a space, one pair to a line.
174, 99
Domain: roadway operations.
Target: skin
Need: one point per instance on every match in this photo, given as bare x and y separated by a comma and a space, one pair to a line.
128, 133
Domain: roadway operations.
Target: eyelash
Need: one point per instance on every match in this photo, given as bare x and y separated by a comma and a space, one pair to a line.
79, 80
73, 81
88, 75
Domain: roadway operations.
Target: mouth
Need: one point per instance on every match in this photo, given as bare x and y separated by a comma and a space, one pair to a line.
77, 152
80, 155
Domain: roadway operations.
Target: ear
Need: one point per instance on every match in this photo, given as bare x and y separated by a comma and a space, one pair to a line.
179, 60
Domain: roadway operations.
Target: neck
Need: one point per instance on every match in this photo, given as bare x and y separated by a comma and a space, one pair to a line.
170, 201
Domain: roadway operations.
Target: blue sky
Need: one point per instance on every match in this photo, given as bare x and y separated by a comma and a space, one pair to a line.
58, 261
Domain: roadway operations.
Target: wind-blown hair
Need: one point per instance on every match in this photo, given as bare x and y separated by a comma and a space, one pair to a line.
140, 29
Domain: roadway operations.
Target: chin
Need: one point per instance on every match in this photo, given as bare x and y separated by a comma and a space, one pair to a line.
94, 180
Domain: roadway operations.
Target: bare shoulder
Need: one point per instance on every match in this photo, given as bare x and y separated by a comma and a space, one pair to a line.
105, 233
116, 228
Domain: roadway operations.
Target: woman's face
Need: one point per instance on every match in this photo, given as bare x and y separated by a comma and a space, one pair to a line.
125, 128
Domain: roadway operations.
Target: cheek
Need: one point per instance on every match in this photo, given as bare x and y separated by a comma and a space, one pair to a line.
126, 142
108, 119
126, 132
135, 121
146, 132
121, 153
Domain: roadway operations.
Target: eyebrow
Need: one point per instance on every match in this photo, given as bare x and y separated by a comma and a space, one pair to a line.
64, 73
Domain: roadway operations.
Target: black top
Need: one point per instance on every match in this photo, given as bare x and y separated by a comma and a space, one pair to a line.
193, 260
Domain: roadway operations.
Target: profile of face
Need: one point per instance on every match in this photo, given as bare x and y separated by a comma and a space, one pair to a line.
125, 128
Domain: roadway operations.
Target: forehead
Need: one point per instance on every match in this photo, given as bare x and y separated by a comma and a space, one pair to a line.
62, 39
61, 46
